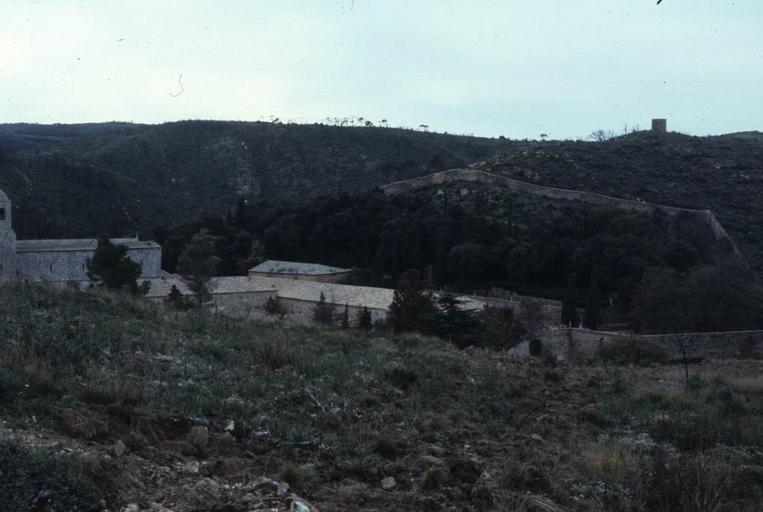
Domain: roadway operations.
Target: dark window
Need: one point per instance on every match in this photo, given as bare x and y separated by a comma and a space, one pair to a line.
536, 348
2, 213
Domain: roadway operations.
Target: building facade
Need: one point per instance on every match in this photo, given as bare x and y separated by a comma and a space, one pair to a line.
62, 260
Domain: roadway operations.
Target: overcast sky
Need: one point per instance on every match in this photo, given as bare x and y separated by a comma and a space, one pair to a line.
504, 67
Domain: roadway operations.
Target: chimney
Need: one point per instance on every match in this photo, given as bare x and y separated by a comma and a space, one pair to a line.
660, 125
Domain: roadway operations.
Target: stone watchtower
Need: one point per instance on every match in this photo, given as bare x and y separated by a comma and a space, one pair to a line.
7, 239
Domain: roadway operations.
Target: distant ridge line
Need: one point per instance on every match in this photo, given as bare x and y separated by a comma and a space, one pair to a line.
474, 175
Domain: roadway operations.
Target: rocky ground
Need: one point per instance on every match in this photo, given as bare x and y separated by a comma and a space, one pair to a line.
167, 411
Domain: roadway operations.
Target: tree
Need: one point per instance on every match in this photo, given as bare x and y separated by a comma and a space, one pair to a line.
454, 323
112, 267
412, 305
273, 307
601, 135
569, 309
198, 264
592, 317
176, 300
531, 316
500, 330
323, 312
364, 319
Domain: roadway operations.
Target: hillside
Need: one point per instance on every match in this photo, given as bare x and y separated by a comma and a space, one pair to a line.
70, 180
723, 174
106, 401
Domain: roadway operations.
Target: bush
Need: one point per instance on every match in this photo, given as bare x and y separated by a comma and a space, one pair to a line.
274, 354
10, 384
39, 480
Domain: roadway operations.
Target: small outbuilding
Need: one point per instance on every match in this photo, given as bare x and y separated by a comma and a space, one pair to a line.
298, 270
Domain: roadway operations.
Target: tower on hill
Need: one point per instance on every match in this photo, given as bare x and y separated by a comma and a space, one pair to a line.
660, 125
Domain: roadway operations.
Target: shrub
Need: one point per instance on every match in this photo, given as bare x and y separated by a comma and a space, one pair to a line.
274, 307
39, 480
10, 384
274, 354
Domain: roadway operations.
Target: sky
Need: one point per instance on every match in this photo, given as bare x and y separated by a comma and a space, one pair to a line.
516, 68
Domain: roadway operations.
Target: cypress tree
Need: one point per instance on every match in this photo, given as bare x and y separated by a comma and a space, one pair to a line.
592, 317
569, 312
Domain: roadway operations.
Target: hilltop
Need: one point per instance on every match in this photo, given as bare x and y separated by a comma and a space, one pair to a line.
721, 173
125, 178
122, 178
106, 400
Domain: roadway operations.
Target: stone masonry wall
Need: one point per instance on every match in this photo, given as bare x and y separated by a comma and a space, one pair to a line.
71, 265
473, 175
583, 343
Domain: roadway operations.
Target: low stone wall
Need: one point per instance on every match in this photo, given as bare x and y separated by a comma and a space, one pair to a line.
241, 305
577, 343
302, 311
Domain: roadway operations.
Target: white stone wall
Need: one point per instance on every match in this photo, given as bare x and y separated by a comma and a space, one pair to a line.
71, 265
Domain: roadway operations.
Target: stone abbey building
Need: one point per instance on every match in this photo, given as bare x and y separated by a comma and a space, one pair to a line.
62, 260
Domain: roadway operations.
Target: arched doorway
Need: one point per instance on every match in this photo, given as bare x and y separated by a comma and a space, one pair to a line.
536, 348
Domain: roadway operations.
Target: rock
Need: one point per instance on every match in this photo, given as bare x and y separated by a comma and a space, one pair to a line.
158, 507
199, 436
207, 486
388, 483
301, 505
431, 460
75, 424
225, 441
536, 437
278, 488
117, 449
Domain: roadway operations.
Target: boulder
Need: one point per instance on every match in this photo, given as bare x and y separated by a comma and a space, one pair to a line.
388, 483
199, 436
117, 449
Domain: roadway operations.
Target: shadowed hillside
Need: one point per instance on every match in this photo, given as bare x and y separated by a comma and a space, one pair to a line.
74, 179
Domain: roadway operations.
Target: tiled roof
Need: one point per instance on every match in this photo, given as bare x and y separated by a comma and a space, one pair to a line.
340, 294
295, 267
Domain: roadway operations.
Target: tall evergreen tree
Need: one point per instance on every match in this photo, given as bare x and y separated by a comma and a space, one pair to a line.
412, 307
569, 310
323, 312
346, 317
364, 319
592, 317
198, 264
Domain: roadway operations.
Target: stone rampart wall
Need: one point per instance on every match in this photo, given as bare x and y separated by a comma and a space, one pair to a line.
583, 343
473, 175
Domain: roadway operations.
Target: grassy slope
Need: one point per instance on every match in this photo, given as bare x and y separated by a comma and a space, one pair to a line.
335, 412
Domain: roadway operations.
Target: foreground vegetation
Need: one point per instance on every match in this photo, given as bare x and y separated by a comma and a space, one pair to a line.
333, 413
